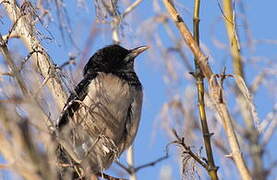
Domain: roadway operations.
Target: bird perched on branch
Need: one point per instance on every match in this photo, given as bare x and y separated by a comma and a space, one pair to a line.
101, 117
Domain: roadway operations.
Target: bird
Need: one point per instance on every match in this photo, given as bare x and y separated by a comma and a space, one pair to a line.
102, 114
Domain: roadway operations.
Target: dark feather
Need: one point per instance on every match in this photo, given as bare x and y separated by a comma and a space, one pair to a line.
72, 103
107, 60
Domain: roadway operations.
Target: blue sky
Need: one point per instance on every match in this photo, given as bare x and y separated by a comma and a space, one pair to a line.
151, 139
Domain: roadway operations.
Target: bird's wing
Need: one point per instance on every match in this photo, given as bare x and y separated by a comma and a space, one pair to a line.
72, 103
133, 118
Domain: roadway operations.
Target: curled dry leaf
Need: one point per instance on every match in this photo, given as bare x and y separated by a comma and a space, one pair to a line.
246, 93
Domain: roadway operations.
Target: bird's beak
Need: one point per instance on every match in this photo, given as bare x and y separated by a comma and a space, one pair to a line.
136, 51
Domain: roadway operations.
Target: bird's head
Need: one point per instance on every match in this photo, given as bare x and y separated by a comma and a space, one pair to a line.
113, 58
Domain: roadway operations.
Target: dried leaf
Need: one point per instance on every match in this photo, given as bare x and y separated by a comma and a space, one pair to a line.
246, 93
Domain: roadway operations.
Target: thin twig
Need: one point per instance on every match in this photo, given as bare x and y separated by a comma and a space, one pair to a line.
131, 170
41, 86
12, 65
127, 169
151, 163
24, 61
70, 61
7, 37
272, 127
131, 8
181, 142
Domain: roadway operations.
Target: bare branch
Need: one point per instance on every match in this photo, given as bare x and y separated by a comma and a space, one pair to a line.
132, 170
215, 88
131, 8
187, 150
12, 65
43, 61
202, 60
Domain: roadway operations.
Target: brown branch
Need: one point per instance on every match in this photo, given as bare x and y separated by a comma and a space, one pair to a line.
181, 141
25, 28
198, 75
6, 74
229, 18
215, 88
72, 60
153, 163
132, 170
202, 60
11, 32
246, 106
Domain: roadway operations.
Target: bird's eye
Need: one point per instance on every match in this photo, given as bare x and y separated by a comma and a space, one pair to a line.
128, 59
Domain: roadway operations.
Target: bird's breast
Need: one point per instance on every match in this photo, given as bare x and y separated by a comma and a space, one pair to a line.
105, 108
98, 127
